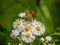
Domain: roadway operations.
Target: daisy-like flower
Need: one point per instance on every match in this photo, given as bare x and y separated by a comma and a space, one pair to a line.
27, 28
33, 22
38, 29
22, 14
27, 37
18, 23
15, 33
48, 38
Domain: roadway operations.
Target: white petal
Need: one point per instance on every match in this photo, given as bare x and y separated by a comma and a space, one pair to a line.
30, 40
17, 20
23, 33
32, 37
24, 38
21, 14
27, 41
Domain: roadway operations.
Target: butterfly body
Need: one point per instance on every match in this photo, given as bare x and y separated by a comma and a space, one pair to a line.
30, 14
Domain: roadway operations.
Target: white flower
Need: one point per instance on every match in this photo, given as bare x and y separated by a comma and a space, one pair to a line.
22, 14
27, 37
27, 28
26, 23
15, 33
38, 29
48, 38
33, 22
18, 23
42, 40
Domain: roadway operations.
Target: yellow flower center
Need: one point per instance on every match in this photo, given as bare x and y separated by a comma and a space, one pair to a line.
28, 35
27, 28
19, 23
38, 28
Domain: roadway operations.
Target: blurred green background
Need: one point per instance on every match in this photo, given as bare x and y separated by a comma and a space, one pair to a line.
46, 11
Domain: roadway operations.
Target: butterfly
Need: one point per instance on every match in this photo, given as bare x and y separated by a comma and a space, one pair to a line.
30, 14
27, 14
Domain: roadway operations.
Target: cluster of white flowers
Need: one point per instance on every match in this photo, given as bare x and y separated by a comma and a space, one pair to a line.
27, 29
